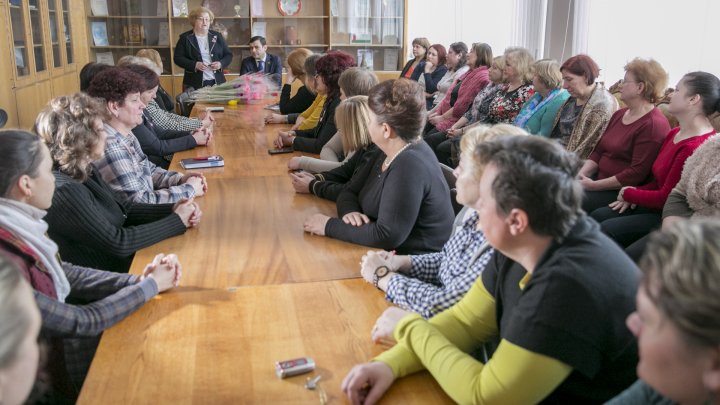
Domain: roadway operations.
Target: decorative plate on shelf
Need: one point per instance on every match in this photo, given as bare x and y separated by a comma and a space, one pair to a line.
289, 7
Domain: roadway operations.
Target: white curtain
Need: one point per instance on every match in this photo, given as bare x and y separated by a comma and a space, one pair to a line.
581, 22
528, 25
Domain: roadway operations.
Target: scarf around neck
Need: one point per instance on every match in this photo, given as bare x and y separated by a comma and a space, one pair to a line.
25, 221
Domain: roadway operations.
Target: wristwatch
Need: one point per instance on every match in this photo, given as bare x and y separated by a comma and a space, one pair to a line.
380, 272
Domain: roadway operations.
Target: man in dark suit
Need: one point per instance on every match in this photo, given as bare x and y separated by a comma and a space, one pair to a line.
202, 53
261, 61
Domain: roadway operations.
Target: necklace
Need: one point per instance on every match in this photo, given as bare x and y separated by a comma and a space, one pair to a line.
389, 161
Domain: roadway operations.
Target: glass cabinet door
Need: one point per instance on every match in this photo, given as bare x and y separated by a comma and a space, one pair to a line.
66, 34
54, 42
37, 36
17, 19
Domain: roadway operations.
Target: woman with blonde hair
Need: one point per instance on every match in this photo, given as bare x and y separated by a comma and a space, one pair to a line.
201, 52
416, 66
537, 115
19, 330
303, 98
676, 322
90, 224
352, 117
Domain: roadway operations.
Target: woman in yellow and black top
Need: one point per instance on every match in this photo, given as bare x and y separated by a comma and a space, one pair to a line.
554, 297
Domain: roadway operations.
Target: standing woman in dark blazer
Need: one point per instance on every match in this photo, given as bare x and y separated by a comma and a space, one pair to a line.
201, 52
416, 66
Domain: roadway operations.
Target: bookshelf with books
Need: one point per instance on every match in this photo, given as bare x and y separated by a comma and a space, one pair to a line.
318, 25
41, 47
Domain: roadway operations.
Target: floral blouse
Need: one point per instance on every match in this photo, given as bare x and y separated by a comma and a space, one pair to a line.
506, 105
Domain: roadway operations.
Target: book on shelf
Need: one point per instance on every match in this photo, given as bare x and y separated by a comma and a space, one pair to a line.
365, 58
390, 59
163, 34
162, 9
99, 7
105, 57
180, 8
259, 28
361, 38
99, 33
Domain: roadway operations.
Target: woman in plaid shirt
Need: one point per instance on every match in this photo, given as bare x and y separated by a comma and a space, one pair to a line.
431, 283
124, 166
27, 185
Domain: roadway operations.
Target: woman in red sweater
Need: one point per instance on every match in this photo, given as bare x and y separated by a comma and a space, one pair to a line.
637, 210
625, 154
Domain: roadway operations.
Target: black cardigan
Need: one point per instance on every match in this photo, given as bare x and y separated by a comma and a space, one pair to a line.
156, 142
408, 205
313, 140
94, 229
330, 184
302, 100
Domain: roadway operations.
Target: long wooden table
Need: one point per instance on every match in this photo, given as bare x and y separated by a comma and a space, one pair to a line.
255, 289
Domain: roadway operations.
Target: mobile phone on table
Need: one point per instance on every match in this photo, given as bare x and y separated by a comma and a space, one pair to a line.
275, 151
216, 109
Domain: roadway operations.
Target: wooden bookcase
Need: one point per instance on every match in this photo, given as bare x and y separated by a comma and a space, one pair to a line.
373, 31
40, 49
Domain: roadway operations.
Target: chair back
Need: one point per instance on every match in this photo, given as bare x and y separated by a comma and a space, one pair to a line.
450, 180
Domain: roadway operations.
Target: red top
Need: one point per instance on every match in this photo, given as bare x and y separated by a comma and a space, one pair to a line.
409, 72
666, 171
29, 263
628, 151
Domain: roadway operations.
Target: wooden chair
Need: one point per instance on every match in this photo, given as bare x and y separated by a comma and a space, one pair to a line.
182, 103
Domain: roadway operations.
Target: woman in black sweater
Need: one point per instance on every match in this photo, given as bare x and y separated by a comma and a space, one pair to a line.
90, 224
302, 100
403, 202
328, 70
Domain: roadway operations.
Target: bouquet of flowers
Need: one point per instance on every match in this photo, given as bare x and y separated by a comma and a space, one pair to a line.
248, 87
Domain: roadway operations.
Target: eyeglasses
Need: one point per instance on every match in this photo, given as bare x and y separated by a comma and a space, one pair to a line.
623, 81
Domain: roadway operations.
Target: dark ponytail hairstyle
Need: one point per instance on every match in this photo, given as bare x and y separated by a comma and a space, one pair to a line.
707, 86
20, 154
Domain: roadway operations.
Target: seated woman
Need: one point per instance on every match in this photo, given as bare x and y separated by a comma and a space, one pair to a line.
124, 166
435, 70
341, 147
456, 62
431, 283
352, 117
676, 322
159, 144
26, 190
585, 115
626, 151
637, 210
479, 59
88, 72
162, 108
90, 224
555, 295
303, 98
481, 104
416, 66
19, 330
537, 115
328, 70
503, 106
697, 194
401, 201
309, 118
162, 98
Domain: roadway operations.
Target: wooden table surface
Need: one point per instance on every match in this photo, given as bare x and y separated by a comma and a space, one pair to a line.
256, 289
